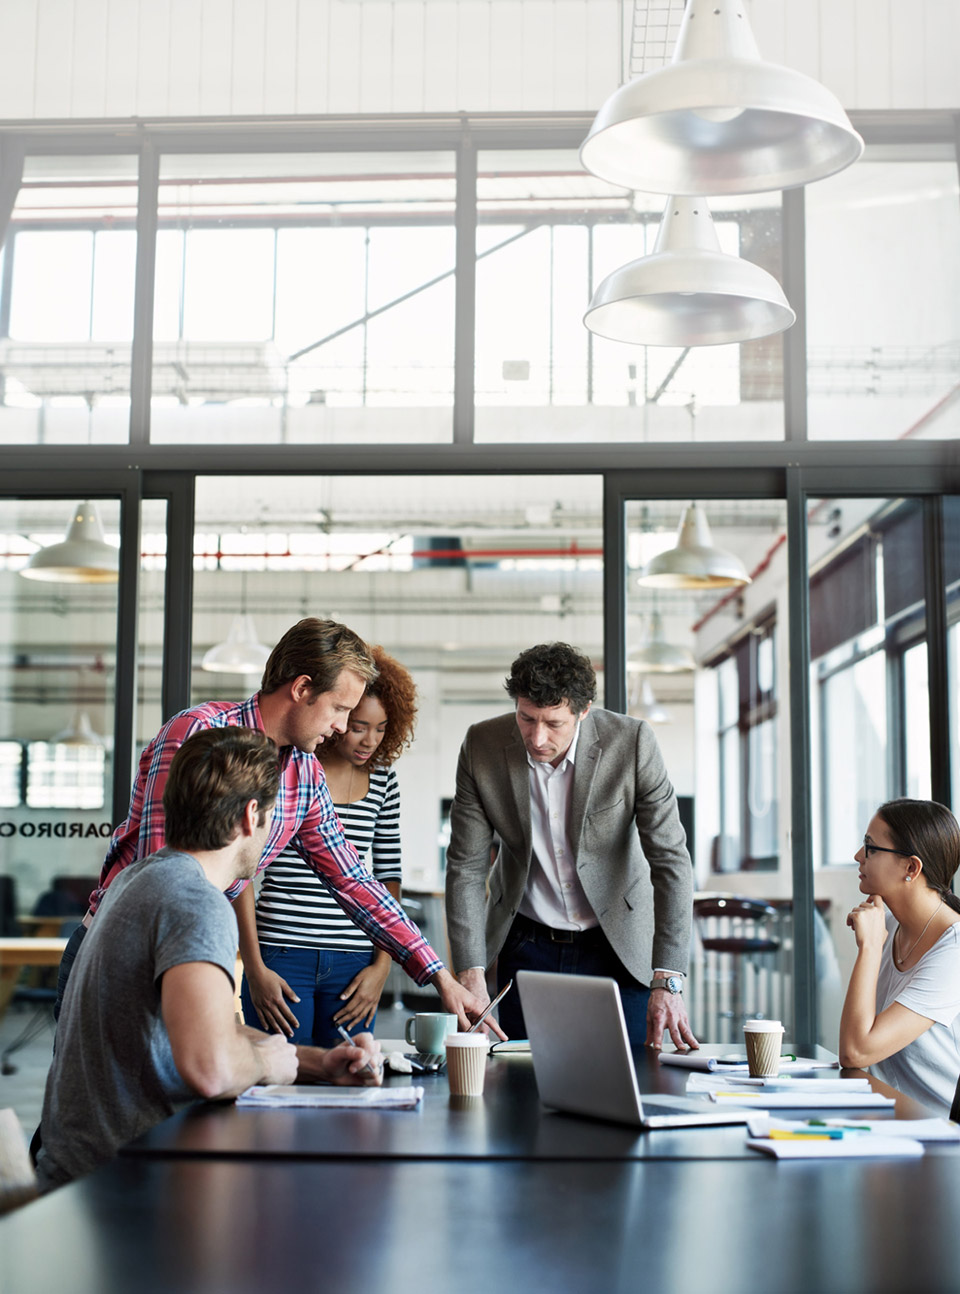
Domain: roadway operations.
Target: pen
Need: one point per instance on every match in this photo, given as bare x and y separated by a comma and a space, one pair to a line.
477, 1023
351, 1043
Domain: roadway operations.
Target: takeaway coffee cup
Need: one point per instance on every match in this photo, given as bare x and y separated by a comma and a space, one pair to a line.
429, 1028
467, 1063
763, 1039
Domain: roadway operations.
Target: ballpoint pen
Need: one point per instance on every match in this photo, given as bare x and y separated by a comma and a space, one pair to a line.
352, 1043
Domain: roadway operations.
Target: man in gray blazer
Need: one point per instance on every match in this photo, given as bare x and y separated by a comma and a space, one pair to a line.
566, 850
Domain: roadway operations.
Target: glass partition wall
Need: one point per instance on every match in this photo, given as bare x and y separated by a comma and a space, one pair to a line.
706, 662
58, 669
340, 369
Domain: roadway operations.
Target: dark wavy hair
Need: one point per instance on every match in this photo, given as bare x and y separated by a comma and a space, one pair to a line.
929, 831
553, 674
321, 649
212, 778
397, 693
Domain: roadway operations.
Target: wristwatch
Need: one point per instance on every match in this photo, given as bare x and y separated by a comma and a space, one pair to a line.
672, 983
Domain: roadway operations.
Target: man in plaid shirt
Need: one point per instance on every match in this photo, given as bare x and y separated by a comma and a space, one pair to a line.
314, 677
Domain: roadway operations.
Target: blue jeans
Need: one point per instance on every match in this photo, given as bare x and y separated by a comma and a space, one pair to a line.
318, 976
528, 946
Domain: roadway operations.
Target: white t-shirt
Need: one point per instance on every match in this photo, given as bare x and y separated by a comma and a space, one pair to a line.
929, 1067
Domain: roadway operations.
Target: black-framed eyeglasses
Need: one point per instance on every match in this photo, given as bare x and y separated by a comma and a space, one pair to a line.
870, 848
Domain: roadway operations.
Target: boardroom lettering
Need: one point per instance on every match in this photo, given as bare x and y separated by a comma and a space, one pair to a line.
56, 830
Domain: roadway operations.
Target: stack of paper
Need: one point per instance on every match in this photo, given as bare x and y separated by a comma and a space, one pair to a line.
835, 1138
331, 1098
737, 1065
778, 1093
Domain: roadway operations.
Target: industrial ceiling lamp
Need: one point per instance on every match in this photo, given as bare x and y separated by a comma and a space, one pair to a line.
649, 708
688, 292
718, 119
79, 732
84, 557
241, 653
694, 563
656, 655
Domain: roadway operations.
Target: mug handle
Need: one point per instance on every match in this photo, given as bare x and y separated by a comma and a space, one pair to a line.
406, 1030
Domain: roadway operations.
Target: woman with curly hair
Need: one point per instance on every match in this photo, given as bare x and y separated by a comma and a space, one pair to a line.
329, 969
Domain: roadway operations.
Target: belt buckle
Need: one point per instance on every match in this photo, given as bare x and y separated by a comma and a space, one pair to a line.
562, 936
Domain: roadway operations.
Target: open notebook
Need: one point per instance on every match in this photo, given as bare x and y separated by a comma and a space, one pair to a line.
582, 1057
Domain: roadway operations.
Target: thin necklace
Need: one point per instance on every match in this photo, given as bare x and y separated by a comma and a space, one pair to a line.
901, 959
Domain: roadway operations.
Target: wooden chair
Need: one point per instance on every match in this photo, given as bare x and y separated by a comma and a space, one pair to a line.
18, 1180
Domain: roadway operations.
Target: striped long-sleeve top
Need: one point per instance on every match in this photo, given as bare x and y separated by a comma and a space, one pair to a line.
303, 817
296, 907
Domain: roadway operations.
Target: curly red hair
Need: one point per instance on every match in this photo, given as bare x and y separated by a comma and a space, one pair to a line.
397, 693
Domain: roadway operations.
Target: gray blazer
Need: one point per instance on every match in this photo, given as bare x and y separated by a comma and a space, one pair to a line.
632, 859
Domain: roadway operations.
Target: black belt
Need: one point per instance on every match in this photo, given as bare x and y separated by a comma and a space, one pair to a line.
551, 935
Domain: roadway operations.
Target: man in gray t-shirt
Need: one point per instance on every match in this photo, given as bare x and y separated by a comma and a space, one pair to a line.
148, 1019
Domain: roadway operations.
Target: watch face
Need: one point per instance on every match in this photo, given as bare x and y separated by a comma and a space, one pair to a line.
674, 984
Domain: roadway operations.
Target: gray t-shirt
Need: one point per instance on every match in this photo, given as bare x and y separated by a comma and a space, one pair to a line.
113, 1074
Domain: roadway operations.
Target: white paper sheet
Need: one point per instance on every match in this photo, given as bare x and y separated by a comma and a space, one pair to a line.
333, 1098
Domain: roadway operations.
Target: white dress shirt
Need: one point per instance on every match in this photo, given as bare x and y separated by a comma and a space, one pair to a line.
554, 895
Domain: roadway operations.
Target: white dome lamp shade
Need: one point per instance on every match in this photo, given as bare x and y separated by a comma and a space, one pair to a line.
718, 119
657, 656
84, 557
688, 292
695, 563
649, 707
79, 732
241, 653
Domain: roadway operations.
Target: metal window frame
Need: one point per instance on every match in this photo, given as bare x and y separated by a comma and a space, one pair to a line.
795, 469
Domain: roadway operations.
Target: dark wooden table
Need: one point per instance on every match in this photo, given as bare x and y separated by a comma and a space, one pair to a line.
234, 1226
508, 1122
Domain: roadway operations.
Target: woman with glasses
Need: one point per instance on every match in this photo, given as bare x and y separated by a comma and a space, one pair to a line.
329, 972
901, 1015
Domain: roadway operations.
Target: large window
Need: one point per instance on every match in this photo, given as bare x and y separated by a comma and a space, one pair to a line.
66, 302
883, 353
304, 298
748, 758
548, 234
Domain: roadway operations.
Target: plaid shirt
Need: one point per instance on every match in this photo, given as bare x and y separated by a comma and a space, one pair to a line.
304, 817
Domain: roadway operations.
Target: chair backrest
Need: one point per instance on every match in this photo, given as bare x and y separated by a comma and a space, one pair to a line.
8, 906
18, 1178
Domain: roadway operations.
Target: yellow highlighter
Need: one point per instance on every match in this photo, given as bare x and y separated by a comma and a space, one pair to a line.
778, 1134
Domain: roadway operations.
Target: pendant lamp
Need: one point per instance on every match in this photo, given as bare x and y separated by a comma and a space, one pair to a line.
79, 732
656, 655
718, 119
241, 653
649, 708
688, 292
84, 557
694, 563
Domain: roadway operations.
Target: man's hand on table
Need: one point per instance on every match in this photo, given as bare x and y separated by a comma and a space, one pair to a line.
357, 1065
280, 1061
666, 1013
466, 1003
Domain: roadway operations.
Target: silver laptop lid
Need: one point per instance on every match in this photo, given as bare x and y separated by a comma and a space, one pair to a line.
581, 1051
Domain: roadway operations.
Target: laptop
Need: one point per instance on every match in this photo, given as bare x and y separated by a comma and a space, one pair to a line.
583, 1061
